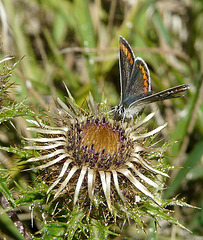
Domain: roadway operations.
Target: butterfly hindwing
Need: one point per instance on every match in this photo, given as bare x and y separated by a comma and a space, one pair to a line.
173, 92
139, 85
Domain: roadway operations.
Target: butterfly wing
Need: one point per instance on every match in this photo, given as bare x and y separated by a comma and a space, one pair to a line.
134, 75
139, 85
173, 92
126, 63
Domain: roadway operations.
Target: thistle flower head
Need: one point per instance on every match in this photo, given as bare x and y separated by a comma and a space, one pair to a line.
89, 152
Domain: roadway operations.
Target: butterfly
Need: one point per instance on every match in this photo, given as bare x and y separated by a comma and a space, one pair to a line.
135, 84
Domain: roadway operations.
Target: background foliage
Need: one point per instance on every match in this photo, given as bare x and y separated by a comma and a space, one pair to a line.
77, 42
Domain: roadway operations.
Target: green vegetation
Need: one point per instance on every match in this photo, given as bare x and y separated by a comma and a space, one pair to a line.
76, 43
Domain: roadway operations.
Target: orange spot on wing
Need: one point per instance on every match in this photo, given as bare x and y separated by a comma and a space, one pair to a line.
125, 50
146, 83
129, 56
127, 53
131, 61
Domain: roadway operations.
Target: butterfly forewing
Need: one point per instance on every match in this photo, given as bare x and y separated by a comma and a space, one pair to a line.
126, 62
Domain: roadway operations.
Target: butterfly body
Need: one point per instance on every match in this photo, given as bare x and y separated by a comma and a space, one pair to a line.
136, 84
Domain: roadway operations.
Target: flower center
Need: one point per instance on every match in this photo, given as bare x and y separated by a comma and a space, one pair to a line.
100, 144
102, 138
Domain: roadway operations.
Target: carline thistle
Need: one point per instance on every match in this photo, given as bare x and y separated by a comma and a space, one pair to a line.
86, 152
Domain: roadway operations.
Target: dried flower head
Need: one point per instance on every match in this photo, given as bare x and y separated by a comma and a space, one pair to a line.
86, 152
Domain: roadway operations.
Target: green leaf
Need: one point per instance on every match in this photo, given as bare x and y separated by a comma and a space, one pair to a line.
16, 150
87, 38
5, 190
83, 19
98, 230
194, 157
8, 227
14, 110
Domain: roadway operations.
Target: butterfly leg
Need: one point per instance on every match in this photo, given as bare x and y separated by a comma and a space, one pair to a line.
123, 119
